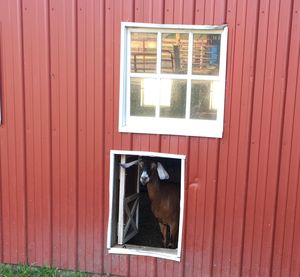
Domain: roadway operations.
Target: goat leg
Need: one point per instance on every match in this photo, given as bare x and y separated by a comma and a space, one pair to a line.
163, 229
173, 235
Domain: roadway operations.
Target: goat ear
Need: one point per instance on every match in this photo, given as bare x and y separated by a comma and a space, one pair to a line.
162, 173
126, 165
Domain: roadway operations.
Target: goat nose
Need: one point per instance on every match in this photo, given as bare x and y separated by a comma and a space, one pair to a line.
144, 179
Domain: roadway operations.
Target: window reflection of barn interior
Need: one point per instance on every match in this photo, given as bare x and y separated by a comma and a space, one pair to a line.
174, 53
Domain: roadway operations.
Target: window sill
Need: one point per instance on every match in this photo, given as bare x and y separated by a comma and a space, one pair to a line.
179, 127
170, 254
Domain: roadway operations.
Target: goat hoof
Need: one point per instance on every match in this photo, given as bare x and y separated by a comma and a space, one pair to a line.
171, 245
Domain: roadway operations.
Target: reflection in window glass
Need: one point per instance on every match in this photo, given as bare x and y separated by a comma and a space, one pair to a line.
143, 95
206, 54
203, 101
172, 98
174, 53
143, 52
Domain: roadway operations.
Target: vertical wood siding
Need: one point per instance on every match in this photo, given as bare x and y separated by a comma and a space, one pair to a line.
59, 83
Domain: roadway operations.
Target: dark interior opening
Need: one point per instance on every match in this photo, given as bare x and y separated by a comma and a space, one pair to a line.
149, 233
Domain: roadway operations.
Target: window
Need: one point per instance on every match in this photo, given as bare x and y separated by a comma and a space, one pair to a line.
172, 79
133, 228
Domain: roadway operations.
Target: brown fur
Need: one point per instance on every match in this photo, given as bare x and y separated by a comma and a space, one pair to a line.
165, 206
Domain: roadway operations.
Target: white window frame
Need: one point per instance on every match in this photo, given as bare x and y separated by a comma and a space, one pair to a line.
171, 126
113, 246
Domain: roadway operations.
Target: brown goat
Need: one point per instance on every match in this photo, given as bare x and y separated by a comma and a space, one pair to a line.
164, 197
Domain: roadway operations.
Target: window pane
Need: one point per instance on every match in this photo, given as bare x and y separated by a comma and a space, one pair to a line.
174, 53
143, 95
143, 52
172, 98
206, 54
203, 100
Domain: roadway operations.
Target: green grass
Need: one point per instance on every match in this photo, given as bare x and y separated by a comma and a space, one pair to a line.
29, 271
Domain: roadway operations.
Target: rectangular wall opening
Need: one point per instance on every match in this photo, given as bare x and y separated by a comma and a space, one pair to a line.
146, 215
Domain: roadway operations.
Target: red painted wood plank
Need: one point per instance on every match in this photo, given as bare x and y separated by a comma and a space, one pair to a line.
197, 185
158, 11
239, 136
37, 116
191, 232
287, 218
244, 133
228, 152
180, 9
255, 191
188, 10
64, 132
127, 14
87, 143
233, 136
99, 224
211, 152
116, 65
54, 29
220, 11
117, 267
168, 15
151, 267
199, 12
89, 118
3, 157
13, 187
109, 116
279, 39
295, 260
161, 268
142, 268
133, 266
266, 174
71, 105
82, 139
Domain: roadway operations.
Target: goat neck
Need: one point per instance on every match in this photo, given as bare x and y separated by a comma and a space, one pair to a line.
153, 186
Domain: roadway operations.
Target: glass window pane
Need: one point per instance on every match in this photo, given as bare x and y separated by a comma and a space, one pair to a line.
174, 53
204, 100
172, 98
206, 54
143, 52
143, 95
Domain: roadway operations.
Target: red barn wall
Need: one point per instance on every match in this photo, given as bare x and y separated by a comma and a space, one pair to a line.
60, 90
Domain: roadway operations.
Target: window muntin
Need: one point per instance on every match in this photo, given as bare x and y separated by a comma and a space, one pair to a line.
173, 77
